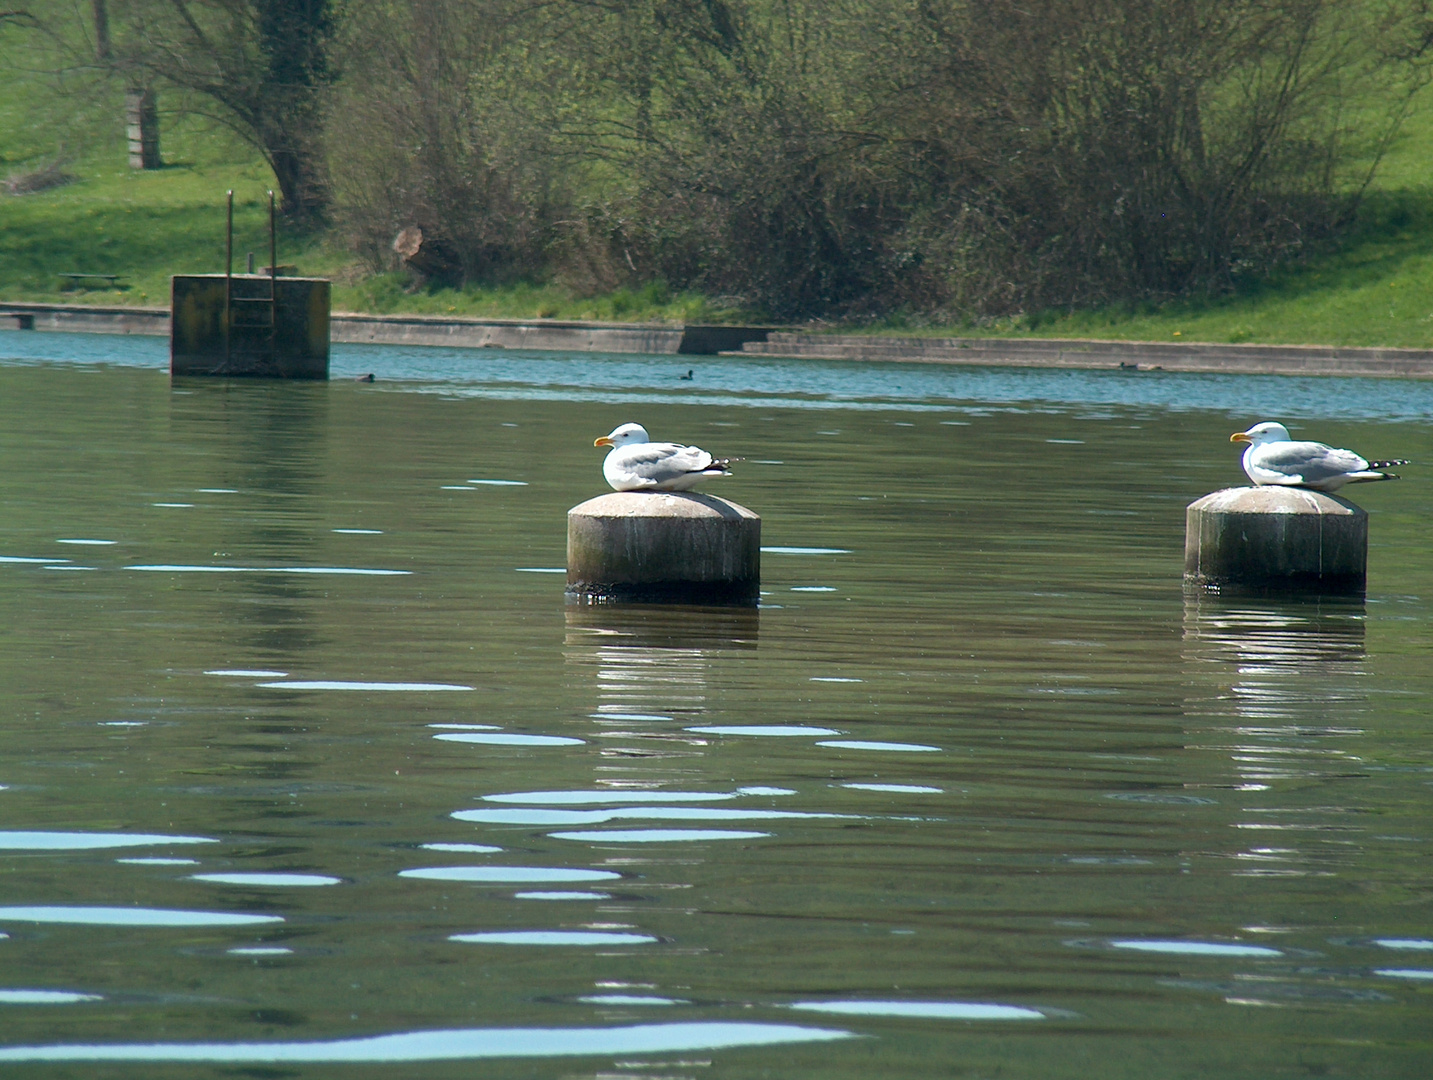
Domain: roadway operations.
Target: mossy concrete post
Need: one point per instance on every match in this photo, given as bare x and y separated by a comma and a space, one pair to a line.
663, 547
141, 124
228, 326
1276, 539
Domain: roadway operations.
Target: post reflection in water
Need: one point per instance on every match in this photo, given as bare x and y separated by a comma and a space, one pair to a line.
1279, 661
652, 663
653, 667
1277, 687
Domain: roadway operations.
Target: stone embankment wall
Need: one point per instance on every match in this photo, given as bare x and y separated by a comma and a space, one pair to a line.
551, 334
1129, 355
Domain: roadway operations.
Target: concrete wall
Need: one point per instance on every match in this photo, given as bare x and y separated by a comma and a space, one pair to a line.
84, 319
1129, 355
551, 334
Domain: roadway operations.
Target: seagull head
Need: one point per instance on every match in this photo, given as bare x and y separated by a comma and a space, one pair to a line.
625, 435
1259, 434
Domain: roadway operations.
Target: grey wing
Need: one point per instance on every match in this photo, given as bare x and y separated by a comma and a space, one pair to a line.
1310, 460
663, 461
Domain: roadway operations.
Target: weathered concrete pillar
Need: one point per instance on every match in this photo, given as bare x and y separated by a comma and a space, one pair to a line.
1276, 538
663, 547
141, 125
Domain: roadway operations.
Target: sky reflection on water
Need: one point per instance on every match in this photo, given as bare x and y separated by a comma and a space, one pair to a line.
467, 1044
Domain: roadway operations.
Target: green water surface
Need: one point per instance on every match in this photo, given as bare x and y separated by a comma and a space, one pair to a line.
1171, 836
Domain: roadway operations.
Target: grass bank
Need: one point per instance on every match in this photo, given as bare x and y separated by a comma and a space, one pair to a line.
1374, 289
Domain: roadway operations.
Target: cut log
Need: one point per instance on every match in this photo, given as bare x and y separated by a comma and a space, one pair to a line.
429, 256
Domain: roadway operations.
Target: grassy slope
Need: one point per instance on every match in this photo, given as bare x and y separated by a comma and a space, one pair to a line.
149, 225
1377, 289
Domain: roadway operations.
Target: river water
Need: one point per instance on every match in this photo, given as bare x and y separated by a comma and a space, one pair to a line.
308, 770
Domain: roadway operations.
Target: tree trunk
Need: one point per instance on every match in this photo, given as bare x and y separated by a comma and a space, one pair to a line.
104, 52
303, 194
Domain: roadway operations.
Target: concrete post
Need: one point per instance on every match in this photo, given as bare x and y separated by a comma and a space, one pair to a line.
1276, 538
663, 547
141, 124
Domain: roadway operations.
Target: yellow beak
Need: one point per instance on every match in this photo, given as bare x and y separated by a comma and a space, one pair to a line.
1239, 436
604, 441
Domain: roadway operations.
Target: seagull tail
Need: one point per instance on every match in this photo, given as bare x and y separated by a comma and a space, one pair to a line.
1370, 476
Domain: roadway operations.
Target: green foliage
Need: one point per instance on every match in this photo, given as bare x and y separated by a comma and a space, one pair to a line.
1055, 167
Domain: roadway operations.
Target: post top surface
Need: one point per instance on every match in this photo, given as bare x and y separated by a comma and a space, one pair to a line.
1275, 499
661, 504
251, 277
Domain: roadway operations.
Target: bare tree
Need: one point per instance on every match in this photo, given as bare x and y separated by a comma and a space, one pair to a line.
440, 134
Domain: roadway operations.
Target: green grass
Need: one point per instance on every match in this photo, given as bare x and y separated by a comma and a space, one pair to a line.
146, 226
388, 293
1374, 288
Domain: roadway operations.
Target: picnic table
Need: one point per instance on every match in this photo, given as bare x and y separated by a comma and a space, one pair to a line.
75, 280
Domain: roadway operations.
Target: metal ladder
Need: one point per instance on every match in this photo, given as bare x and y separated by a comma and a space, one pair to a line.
256, 313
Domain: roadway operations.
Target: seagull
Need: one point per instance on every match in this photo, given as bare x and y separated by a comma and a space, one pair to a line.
1274, 458
635, 463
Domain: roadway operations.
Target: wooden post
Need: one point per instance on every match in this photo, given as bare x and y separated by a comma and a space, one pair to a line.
663, 547
1281, 539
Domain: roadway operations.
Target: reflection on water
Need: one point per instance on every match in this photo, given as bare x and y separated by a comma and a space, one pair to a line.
655, 836
1195, 948
1280, 690
934, 1010
1294, 640
74, 841
281, 881
869, 744
551, 937
507, 874
509, 739
448, 1045
976, 761
542, 816
776, 730
128, 916
583, 798
1291, 674
45, 997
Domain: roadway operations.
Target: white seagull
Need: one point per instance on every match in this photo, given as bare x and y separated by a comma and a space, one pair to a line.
635, 463
1274, 458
